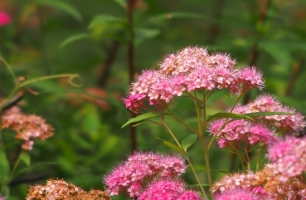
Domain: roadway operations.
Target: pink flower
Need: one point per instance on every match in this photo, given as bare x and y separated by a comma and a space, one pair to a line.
163, 189
289, 157
134, 174
189, 195
250, 78
5, 19
238, 194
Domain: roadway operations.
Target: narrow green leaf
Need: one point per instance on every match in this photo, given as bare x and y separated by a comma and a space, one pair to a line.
73, 38
140, 118
4, 168
102, 19
258, 114
279, 51
61, 5
173, 146
222, 115
143, 34
139, 124
188, 141
122, 3
25, 157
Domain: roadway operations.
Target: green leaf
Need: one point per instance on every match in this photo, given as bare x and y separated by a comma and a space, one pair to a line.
140, 118
173, 146
258, 114
102, 19
4, 168
73, 38
188, 141
222, 115
61, 5
143, 34
25, 157
169, 16
122, 3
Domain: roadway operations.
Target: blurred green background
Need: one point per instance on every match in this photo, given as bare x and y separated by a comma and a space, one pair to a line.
91, 38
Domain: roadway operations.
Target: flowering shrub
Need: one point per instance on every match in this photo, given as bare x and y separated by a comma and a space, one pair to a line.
244, 129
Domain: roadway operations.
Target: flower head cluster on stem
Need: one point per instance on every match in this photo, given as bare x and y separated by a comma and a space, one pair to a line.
190, 69
27, 127
147, 174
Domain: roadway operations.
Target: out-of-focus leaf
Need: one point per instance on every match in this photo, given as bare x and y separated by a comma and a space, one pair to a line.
121, 3
73, 38
279, 51
188, 141
25, 157
222, 115
61, 5
168, 16
140, 118
173, 146
143, 34
102, 19
4, 168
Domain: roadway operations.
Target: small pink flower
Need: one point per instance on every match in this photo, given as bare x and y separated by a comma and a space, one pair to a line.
289, 157
250, 78
189, 195
5, 19
239, 194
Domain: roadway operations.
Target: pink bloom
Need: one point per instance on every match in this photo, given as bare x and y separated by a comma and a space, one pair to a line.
189, 195
163, 189
289, 157
238, 194
5, 19
140, 168
250, 78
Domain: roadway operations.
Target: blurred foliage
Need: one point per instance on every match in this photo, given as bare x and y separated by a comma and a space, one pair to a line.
90, 38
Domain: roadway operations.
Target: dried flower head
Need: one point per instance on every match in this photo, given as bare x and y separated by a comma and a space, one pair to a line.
140, 168
59, 189
27, 127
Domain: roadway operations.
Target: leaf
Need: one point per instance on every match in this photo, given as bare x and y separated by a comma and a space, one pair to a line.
4, 168
188, 141
140, 118
61, 5
169, 16
143, 34
222, 115
121, 3
102, 19
25, 157
259, 114
279, 51
173, 146
73, 38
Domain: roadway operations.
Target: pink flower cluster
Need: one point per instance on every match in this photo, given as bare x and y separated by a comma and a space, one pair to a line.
4, 19
141, 169
168, 189
239, 194
288, 157
253, 132
190, 69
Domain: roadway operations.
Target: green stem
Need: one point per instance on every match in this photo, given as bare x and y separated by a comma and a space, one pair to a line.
186, 156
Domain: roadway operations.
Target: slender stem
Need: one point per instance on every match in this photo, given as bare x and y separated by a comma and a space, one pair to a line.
10, 70
186, 156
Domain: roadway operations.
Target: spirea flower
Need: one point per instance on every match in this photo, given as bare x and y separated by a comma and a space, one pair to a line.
141, 168
5, 19
240, 130
168, 189
27, 127
239, 194
191, 68
60, 189
289, 157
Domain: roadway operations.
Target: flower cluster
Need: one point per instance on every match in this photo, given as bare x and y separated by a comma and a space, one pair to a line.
4, 19
190, 69
59, 189
168, 189
251, 132
27, 127
265, 184
138, 173
289, 157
